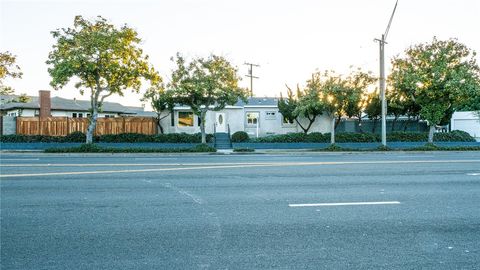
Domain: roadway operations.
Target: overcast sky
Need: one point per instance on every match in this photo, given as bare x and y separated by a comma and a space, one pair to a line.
289, 39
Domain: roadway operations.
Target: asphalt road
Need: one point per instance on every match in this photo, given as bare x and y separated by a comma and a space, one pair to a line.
396, 210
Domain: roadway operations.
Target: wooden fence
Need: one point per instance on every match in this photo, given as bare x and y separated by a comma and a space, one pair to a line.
62, 126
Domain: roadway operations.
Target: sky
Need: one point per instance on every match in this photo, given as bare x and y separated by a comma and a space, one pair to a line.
288, 39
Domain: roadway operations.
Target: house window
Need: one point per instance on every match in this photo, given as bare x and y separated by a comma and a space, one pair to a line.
74, 115
287, 121
172, 119
80, 115
185, 119
252, 118
270, 115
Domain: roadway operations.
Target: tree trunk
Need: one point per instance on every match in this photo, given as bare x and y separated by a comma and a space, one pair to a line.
332, 132
338, 121
159, 124
430, 133
202, 126
300, 125
393, 123
360, 125
374, 126
92, 124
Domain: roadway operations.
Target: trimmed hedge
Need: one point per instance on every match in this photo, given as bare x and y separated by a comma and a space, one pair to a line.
93, 148
112, 138
316, 137
240, 136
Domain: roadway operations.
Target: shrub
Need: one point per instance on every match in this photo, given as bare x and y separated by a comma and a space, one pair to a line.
355, 137
240, 136
399, 136
453, 136
93, 148
317, 137
244, 150
76, 136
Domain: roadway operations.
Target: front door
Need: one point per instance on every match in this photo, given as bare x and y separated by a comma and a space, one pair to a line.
220, 122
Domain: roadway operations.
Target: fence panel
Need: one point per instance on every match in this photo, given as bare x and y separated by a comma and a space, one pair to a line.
62, 126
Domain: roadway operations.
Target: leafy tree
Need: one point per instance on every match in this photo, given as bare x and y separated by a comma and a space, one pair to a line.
440, 77
332, 94
23, 98
287, 106
106, 60
8, 68
395, 106
161, 102
205, 84
357, 99
374, 108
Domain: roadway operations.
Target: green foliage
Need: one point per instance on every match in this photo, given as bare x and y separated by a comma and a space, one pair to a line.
240, 136
8, 68
287, 106
383, 148
76, 136
161, 101
309, 105
440, 77
93, 148
454, 136
374, 106
105, 59
356, 137
112, 138
244, 150
205, 84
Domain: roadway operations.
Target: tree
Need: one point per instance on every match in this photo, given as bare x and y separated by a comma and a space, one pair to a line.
332, 94
357, 83
396, 106
161, 102
8, 68
374, 108
205, 84
287, 106
440, 77
106, 60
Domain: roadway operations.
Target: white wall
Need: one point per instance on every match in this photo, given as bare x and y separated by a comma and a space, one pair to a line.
236, 119
468, 122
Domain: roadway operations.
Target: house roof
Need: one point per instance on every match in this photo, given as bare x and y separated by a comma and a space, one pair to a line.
258, 102
63, 104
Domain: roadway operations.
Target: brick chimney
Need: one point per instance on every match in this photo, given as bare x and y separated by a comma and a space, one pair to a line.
45, 103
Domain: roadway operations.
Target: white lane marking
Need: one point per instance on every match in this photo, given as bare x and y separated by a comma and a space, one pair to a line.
126, 171
342, 204
126, 164
18, 159
246, 163
473, 174
238, 165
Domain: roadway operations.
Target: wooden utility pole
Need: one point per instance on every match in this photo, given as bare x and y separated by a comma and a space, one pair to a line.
250, 75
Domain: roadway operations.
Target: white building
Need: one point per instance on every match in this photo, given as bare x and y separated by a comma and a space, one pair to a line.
258, 117
468, 122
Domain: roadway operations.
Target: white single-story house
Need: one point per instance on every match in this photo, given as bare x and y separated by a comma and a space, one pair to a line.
258, 117
468, 122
